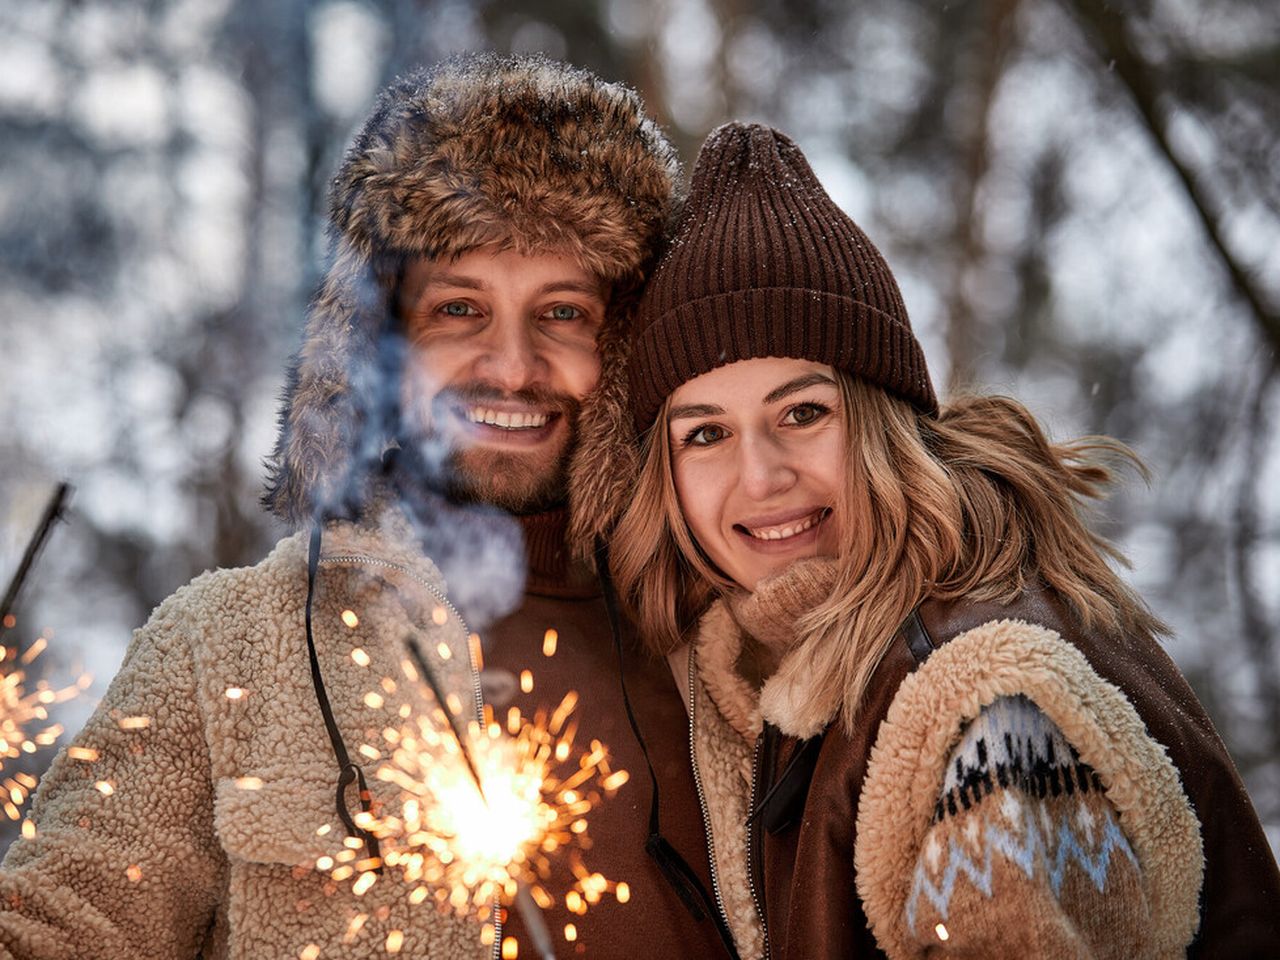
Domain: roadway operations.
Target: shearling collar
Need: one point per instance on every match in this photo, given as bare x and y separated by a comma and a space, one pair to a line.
719, 647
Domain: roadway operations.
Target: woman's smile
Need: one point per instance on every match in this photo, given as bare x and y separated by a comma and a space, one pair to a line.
784, 531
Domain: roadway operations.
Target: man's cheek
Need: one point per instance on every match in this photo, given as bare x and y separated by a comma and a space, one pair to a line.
580, 371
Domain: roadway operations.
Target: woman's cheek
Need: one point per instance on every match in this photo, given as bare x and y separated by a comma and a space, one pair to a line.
699, 488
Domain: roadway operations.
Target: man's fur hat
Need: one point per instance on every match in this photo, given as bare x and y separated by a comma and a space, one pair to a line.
520, 152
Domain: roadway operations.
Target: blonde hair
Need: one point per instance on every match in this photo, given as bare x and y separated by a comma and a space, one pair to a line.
974, 503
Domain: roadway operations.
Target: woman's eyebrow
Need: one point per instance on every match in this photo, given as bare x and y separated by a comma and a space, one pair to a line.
694, 410
799, 383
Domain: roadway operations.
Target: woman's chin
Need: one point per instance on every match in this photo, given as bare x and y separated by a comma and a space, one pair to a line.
751, 579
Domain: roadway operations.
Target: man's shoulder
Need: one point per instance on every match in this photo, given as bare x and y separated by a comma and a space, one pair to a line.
239, 586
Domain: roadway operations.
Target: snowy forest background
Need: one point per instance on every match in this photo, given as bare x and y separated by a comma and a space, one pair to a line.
1080, 200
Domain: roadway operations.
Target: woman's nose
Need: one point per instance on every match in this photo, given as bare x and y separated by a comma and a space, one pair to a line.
765, 468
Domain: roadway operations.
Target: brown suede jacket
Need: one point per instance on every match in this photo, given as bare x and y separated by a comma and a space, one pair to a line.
832, 813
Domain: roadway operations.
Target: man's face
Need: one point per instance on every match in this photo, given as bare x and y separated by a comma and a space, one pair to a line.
502, 347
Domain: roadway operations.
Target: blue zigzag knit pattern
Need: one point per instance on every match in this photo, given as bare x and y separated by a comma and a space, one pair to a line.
1013, 750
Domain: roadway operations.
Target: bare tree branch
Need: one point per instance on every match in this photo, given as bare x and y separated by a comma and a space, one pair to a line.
1141, 79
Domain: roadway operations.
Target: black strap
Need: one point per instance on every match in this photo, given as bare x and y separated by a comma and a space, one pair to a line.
347, 770
783, 804
917, 636
675, 869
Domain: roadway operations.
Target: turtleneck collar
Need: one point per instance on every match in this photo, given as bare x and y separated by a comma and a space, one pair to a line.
771, 612
450, 528
552, 570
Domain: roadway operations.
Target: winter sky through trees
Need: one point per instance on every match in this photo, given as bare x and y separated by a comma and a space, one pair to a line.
1080, 202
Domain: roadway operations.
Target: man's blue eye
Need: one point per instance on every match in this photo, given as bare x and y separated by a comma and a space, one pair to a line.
456, 309
564, 312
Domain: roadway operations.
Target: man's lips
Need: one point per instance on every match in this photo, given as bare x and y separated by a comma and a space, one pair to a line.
782, 527
507, 419
507, 425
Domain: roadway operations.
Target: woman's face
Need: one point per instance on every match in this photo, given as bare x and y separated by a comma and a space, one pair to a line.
758, 453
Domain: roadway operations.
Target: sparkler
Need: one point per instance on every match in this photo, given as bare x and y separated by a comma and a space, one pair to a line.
482, 808
20, 710
20, 707
52, 512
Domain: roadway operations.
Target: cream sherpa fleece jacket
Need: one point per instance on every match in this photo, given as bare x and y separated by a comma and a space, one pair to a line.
195, 830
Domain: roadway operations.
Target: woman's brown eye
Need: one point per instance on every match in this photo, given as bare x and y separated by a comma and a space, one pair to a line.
704, 436
804, 414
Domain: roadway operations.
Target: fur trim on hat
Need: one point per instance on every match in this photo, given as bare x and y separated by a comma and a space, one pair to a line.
519, 152
605, 464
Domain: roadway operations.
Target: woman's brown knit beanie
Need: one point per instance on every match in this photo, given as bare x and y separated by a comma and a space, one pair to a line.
764, 264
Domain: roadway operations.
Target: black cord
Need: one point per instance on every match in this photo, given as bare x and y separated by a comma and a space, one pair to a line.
347, 770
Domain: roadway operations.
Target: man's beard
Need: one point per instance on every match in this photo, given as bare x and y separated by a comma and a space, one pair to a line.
520, 482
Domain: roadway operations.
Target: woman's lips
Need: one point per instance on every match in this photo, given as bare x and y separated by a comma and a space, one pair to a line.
781, 533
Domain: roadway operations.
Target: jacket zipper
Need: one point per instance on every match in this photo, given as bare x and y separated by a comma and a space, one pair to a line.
439, 595
702, 797
475, 678
753, 838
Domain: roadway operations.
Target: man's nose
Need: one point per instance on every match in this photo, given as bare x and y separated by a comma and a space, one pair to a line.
764, 467
509, 354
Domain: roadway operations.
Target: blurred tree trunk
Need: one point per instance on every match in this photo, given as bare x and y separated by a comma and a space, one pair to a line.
965, 331
1255, 623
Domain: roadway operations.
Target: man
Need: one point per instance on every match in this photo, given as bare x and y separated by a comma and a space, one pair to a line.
489, 226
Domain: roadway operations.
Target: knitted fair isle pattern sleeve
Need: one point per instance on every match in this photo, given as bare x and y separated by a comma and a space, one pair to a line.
1025, 855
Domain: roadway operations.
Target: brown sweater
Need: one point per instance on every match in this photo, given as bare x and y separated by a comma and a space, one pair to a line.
567, 598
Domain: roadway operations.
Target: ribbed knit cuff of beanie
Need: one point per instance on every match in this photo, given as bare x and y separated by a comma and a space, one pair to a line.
764, 264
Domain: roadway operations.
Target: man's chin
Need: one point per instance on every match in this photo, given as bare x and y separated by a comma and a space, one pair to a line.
519, 482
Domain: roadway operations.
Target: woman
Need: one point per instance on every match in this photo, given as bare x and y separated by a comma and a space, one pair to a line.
911, 672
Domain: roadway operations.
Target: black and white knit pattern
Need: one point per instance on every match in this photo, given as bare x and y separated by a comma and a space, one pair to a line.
1011, 743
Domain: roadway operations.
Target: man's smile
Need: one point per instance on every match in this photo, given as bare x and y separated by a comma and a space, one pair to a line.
508, 420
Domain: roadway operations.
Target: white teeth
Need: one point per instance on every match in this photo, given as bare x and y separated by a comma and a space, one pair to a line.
782, 533
505, 420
